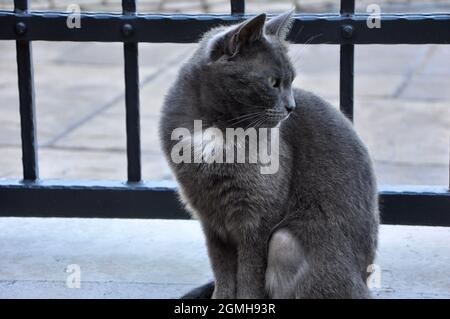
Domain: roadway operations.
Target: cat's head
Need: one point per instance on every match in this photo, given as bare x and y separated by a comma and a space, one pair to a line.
245, 74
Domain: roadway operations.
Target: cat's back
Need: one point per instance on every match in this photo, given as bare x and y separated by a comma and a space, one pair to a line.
330, 159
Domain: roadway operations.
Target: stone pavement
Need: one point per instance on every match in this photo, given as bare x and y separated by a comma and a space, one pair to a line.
120, 258
402, 98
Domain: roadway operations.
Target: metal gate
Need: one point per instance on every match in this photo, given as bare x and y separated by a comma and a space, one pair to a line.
135, 198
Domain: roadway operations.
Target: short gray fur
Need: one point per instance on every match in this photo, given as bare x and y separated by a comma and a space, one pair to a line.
307, 231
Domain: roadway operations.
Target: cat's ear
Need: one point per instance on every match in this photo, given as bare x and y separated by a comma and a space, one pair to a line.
231, 42
280, 25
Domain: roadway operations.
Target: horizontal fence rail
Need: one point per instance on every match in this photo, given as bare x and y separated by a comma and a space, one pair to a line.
399, 205
185, 28
138, 199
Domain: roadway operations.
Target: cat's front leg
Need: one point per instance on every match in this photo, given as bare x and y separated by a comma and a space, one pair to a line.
251, 270
223, 259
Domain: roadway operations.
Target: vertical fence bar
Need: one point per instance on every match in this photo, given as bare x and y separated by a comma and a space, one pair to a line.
347, 63
237, 6
132, 97
26, 98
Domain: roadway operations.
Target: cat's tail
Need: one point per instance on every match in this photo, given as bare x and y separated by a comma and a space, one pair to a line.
202, 292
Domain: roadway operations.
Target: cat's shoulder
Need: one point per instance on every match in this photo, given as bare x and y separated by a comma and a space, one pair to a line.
312, 108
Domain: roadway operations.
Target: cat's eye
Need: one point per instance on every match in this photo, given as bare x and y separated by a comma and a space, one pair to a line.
274, 82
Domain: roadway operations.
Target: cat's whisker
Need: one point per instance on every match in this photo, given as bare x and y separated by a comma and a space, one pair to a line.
244, 115
295, 58
253, 119
243, 120
261, 122
237, 118
296, 37
298, 33
257, 120
299, 52
246, 118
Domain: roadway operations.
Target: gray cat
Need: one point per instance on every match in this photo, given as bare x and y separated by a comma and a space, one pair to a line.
309, 230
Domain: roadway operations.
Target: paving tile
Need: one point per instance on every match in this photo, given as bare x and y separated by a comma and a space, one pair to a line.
407, 133
9, 95
428, 87
83, 164
325, 85
315, 59
439, 61
65, 94
375, 74
388, 59
9, 118
87, 164
67, 91
10, 162
108, 129
7, 5
394, 173
150, 54
7, 55
376, 85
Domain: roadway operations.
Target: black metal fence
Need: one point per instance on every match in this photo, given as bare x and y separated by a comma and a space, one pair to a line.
138, 199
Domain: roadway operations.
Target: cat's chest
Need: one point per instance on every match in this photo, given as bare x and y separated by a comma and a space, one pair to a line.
220, 185
236, 196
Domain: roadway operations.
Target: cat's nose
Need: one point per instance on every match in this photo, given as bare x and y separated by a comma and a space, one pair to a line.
290, 106
290, 103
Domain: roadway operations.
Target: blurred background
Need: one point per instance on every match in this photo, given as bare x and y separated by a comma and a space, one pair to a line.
402, 95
